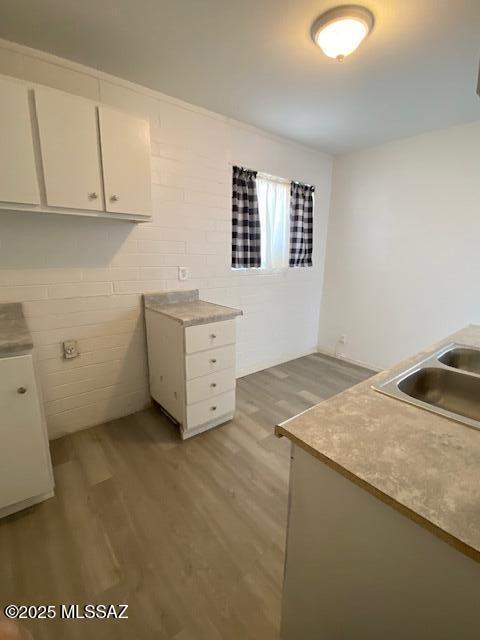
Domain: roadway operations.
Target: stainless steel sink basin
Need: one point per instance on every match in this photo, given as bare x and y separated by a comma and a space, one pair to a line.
447, 382
446, 390
464, 358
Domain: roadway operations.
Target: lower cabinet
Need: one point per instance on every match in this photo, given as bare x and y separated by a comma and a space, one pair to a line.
25, 467
192, 371
357, 569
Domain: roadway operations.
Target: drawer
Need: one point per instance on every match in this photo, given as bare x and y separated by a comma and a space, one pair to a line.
209, 386
209, 336
206, 362
208, 410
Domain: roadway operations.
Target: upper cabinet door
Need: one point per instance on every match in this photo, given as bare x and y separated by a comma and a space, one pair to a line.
18, 175
70, 150
125, 142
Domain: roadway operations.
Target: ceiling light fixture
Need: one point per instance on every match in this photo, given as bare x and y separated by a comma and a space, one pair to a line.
339, 31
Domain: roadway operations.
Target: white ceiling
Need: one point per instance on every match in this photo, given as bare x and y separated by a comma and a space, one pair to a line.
253, 60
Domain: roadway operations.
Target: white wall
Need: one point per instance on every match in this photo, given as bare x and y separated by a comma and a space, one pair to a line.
403, 252
82, 278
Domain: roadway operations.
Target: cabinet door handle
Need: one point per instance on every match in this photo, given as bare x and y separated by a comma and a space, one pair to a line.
213, 360
115, 198
22, 390
213, 336
93, 195
214, 384
213, 408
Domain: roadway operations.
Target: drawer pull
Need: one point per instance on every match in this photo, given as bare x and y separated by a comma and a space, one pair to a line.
214, 384
213, 408
213, 336
22, 390
213, 360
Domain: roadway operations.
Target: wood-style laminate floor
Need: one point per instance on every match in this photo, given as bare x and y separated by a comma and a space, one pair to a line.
190, 534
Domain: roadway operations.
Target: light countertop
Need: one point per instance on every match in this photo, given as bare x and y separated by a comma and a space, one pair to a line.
15, 337
186, 308
422, 464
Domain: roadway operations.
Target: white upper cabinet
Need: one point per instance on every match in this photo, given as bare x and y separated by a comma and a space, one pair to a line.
70, 150
65, 154
125, 143
18, 176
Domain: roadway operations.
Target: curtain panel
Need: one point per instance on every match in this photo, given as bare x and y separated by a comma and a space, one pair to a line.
246, 237
301, 225
274, 209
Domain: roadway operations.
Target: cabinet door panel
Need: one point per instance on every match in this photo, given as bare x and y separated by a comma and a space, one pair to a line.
24, 461
125, 142
70, 150
18, 176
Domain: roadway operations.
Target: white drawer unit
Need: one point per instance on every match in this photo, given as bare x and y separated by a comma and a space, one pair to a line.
191, 358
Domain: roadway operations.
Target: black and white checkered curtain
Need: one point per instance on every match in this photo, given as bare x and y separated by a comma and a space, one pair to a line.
245, 220
301, 225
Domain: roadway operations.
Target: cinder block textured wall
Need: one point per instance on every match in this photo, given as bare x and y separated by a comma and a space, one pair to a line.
83, 278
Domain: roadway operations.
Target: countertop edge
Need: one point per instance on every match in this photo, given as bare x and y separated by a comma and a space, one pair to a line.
234, 313
19, 339
16, 350
450, 539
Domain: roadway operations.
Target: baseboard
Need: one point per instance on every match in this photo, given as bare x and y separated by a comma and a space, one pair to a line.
273, 363
61, 434
358, 363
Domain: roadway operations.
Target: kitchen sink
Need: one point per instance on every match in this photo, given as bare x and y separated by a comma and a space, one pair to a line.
446, 382
464, 358
445, 389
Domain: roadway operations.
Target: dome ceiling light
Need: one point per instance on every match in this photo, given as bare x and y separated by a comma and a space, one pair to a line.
339, 31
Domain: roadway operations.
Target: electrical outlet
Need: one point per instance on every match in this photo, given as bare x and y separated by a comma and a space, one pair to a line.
70, 349
343, 339
183, 273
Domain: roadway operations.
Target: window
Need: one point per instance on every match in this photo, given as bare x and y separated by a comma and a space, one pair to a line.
272, 221
274, 210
